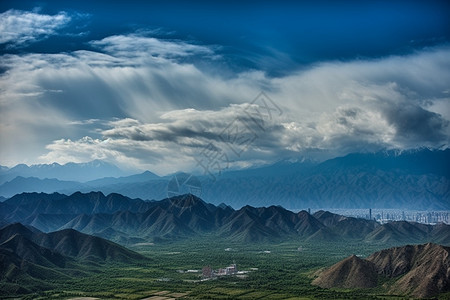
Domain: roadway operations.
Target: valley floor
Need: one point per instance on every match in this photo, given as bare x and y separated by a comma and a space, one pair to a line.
275, 271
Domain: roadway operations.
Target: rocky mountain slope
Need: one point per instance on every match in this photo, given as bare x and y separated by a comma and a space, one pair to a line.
417, 270
30, 259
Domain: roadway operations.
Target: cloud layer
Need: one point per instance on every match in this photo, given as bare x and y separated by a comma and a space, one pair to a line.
151, 103
19, 27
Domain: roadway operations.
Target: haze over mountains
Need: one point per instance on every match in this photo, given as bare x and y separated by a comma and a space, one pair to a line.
68, 172
390, 179
48, 235
130, 221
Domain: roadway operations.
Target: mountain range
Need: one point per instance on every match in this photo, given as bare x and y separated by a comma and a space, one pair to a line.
129, 221
30, 259
80, 172
49, 237
416, 270
389, 179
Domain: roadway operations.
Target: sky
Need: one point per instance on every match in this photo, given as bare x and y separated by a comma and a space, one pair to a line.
205, 86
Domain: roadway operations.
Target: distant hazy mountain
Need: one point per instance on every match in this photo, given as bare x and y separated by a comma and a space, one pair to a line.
419, 271
128, 221
389, 179
281, 168
81, 172
143, 177
419, 179
32, 184
145, 185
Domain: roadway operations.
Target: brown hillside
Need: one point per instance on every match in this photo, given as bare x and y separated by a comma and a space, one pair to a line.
420, 271
426, 268
352, 272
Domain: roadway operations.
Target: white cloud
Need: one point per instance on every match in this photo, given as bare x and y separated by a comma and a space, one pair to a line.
164, 147
20, 27
141, 106
137, 45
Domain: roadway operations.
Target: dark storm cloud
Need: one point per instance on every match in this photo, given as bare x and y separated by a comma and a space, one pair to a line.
415, 125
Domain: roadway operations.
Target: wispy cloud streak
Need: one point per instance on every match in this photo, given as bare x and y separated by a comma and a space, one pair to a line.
21, 27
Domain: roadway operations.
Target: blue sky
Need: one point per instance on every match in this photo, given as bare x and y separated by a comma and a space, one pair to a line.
295, 33
152, 85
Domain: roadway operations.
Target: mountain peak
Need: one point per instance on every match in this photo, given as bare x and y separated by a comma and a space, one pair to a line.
224, 206
411, 262
186, 200
352, 272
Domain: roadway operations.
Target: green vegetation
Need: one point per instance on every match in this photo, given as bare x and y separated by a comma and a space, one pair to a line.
284, 273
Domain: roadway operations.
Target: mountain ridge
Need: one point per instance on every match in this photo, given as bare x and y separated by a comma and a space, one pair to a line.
63, 243
31, 260
417, 270
387, 179
67, 172
130, 221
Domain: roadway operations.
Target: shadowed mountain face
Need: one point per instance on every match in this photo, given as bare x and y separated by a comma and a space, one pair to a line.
419, 271
33, 258
389, 179
38, 247
348, 227
130, 221
30, 251
27, 204
245, 225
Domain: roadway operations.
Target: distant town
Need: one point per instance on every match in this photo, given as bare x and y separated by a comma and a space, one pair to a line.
209, 273
386, 215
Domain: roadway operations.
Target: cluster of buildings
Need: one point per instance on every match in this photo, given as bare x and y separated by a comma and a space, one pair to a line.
386, 215
425, 217
208, 272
